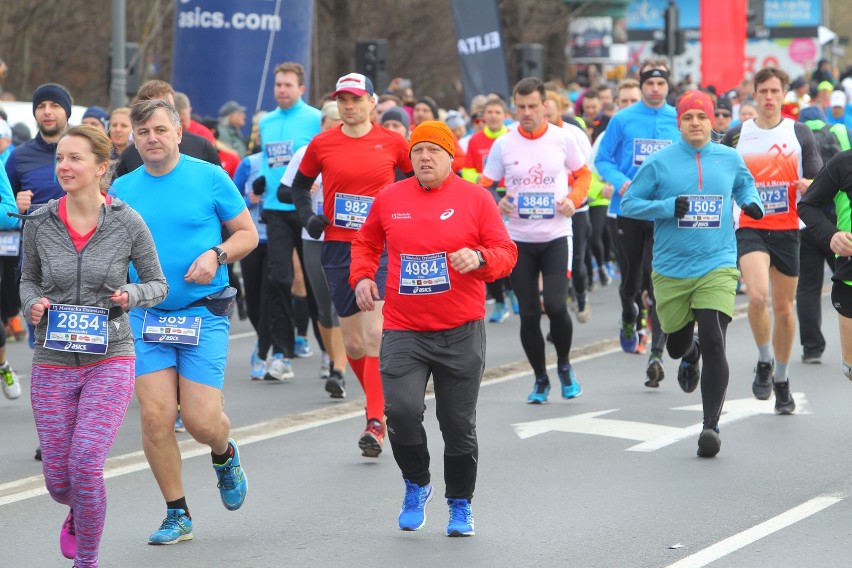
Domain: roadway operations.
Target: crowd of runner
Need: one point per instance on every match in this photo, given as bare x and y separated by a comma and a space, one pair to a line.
378, 220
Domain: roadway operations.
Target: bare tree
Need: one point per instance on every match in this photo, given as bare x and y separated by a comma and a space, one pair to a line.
68, 42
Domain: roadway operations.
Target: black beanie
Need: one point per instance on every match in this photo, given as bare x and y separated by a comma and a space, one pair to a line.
53, 93
431, 104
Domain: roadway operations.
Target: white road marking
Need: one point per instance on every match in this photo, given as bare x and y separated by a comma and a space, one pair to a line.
30, 487
757, 532
652, 436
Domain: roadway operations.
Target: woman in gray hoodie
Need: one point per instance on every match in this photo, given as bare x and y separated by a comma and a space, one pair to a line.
74, 290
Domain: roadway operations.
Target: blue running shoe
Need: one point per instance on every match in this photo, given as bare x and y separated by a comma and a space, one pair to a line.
177, 526
513, 299
258, 370
540, 392
500, 313
461, 518
412, 515
303, 347
233, 483
570, 387
628, 337
258, 365
179, 427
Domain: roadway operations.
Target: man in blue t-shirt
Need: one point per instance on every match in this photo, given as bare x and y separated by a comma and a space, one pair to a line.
183, 341
283, 131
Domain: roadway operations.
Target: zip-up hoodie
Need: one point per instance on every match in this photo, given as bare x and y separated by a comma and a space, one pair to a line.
712, 173
53, 269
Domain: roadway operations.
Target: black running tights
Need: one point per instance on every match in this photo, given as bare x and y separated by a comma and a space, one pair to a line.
712, 327
549, 259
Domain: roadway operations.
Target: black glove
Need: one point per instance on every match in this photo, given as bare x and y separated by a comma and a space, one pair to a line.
258, 186
753, 210
316, 225
681, 206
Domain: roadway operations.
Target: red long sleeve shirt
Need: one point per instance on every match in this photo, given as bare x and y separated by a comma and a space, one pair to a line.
421, 228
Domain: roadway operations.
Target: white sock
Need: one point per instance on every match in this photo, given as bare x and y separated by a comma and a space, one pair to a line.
781, 371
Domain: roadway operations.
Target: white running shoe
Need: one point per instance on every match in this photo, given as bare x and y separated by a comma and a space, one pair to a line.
11, 384
278, 368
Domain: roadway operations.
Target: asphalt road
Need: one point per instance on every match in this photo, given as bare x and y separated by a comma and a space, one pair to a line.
610, 479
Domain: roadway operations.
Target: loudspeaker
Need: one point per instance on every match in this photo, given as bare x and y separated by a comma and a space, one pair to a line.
528, 61
371, 60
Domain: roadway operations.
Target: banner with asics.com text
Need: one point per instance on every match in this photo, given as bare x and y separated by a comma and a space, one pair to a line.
479, 39
228, 49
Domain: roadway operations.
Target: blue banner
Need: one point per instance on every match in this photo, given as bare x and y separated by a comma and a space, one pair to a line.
648, 14
228, 49
798, 13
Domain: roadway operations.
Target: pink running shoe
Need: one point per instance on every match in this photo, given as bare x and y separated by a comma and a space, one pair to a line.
68, 538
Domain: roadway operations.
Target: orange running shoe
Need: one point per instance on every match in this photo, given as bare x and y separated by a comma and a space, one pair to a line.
18, 329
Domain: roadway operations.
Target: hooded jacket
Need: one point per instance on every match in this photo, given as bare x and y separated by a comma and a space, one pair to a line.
54, 269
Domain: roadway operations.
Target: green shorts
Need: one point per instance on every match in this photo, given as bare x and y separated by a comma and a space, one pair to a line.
675, 298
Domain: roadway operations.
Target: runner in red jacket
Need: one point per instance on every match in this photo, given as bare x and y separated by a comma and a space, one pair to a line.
444, 237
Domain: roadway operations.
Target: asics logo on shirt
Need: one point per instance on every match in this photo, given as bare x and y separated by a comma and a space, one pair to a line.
447, 214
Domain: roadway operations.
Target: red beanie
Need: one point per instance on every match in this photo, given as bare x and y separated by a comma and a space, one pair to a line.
696, 100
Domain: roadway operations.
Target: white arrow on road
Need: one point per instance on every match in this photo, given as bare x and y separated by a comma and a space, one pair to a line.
652, 436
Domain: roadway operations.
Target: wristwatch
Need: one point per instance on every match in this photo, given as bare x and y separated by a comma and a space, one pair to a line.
221, 256
480, 257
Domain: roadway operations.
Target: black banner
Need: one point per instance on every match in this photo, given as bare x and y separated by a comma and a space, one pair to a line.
480, 46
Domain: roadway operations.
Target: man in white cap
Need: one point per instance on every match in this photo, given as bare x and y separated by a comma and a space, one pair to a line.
839, 111
356, 161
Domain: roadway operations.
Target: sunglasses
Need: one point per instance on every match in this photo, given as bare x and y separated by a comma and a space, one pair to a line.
723, 114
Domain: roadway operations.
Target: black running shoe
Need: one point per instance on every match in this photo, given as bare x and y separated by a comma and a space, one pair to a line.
709, 443
784, 403
763, 375
654, 371
335, 386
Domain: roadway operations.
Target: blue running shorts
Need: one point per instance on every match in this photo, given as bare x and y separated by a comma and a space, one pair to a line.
203, 363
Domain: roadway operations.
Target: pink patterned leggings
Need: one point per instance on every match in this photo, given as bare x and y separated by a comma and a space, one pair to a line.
78, 411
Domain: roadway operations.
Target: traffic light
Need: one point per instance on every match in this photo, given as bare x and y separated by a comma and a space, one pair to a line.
673, 42
371, 60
